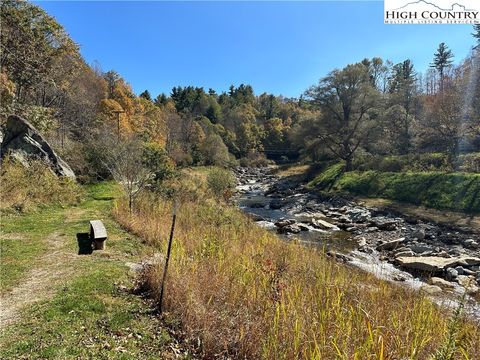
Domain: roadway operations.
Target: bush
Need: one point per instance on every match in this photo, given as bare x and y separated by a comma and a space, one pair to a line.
26, 188
221, 182
469, 163
254, 159
156, 160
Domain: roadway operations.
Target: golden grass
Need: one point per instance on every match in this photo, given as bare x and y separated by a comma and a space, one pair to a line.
243, 293
24, 189
292, 170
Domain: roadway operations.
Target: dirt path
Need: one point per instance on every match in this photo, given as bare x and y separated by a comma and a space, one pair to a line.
41, 281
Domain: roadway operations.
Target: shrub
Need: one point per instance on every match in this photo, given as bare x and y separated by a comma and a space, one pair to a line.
254, 159
221, 182
469, 163
162, 167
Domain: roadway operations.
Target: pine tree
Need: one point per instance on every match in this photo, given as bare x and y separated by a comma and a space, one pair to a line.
146, 95
441, 61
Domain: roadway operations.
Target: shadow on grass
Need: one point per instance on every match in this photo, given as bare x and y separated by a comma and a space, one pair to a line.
84, 244
104, 198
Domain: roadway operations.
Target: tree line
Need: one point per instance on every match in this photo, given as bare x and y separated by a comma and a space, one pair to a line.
371, 107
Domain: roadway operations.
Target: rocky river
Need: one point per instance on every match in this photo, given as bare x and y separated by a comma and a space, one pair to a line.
440, 260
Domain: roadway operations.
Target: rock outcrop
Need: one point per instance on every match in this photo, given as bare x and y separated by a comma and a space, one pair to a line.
22, 141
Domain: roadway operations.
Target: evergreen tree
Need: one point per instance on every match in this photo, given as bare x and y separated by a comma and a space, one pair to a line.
161, 99
111, 77
403, 92
441, 61
146, 95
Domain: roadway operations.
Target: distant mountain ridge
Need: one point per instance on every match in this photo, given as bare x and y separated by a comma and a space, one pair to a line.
434, 5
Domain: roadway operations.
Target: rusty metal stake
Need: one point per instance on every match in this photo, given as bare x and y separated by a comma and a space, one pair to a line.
165, 268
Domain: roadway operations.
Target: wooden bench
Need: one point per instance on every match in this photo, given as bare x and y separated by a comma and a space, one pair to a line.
98, 234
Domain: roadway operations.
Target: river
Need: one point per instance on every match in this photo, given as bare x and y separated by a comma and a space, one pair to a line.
405, 251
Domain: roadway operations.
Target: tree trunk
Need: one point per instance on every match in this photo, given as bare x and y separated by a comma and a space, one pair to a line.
348, 164
130, 203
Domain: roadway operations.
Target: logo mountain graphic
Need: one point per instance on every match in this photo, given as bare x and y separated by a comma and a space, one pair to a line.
423, 2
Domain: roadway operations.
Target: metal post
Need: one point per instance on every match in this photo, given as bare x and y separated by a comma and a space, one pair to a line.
165, 268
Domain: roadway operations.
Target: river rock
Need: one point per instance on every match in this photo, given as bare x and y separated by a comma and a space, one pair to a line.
469, 283
284, 222
255, 217
276, 204
22, 141
384, 224
257, 205
434, 264
431, 289
324, 225
451, 274
419, 234
441, 282
404, 253
289, 229
420, 248
391, 245
470, 243
303, 227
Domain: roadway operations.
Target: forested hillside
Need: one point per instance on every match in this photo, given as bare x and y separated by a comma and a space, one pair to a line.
371, 108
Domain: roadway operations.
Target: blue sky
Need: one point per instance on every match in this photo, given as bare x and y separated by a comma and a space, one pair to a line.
277, 47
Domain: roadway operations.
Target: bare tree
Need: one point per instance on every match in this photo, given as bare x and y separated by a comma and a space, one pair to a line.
124, 160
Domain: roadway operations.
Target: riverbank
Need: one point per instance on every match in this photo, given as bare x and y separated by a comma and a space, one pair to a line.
236, 291
440, 259
433, 189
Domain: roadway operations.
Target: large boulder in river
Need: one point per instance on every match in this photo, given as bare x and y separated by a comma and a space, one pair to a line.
434, 264
22, 141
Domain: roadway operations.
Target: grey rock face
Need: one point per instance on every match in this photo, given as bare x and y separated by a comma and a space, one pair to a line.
22, 141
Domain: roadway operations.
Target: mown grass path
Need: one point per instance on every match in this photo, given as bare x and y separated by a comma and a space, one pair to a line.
57, 304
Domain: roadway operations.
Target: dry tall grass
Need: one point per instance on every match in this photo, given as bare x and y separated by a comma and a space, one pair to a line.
23, 189
245, 294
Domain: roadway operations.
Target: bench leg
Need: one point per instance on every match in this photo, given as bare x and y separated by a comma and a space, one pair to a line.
99, 245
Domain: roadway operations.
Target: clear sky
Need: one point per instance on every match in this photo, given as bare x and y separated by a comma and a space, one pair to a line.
277, 47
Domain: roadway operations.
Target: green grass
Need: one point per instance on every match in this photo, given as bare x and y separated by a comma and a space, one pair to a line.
438, 190
91, 314
23, 240
88, 318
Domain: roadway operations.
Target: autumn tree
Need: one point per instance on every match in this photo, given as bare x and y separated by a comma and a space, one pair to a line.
348, 102
31, 41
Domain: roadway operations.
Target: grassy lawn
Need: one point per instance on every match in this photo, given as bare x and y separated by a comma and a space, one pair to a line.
85, 307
